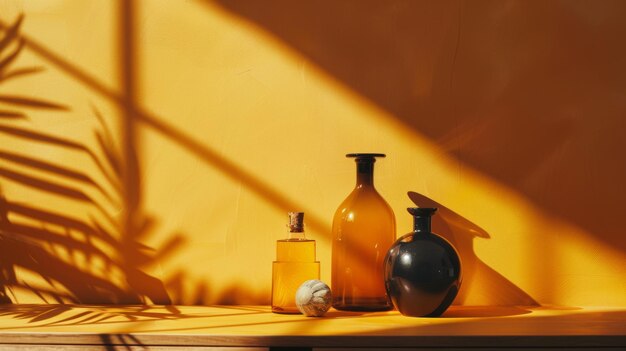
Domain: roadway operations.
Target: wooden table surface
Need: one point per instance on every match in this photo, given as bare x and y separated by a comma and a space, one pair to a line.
256, 326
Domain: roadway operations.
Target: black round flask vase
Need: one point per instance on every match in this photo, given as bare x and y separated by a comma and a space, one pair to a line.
422, 270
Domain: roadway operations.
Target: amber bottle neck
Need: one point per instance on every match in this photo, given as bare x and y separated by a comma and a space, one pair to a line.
364, 173
421, 224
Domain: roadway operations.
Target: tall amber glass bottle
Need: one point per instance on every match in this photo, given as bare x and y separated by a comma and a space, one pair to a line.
295, 263
364, 227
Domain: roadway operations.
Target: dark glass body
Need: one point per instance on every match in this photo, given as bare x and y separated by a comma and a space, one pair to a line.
422, 270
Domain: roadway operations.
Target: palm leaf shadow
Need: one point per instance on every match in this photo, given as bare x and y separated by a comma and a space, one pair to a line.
59, 256
13, 44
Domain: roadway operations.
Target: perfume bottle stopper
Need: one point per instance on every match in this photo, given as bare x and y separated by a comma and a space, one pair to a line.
296, 222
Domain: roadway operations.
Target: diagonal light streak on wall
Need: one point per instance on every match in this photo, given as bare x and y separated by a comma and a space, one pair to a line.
200, 150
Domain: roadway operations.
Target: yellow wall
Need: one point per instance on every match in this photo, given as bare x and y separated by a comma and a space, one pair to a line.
218, 117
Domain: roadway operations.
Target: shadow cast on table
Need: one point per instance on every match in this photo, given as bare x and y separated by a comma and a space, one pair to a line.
464, 321
485, 311
57, 315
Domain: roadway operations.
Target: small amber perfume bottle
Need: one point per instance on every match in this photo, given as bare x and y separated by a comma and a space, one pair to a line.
295, 263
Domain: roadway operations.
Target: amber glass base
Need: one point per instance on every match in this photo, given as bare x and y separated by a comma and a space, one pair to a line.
286, 279
363, 304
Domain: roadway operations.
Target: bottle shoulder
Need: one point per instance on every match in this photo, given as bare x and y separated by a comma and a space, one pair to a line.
364, 208
363, 197
425, 237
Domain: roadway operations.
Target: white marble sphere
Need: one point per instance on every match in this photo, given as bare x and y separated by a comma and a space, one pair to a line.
313, 298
